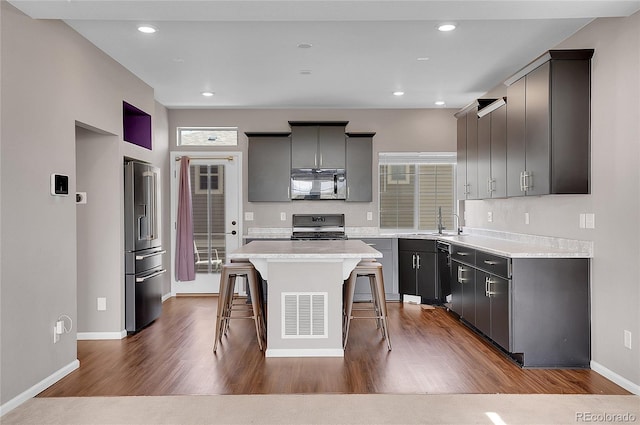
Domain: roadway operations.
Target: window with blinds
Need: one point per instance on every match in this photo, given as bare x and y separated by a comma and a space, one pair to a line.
413, 188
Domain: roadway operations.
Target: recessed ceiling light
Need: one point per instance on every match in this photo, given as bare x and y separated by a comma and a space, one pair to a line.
147, 29
207, 93
446, 27
398, 93
440, 102
305, 72
424, 58
305, 46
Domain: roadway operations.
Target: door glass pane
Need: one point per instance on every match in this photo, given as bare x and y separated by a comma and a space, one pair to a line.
208, 199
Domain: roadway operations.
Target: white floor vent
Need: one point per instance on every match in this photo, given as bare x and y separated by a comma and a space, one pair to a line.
304, 315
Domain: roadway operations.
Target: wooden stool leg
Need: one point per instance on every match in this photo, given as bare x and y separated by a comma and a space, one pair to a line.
222, 296
255, 305
382, 302
348, 306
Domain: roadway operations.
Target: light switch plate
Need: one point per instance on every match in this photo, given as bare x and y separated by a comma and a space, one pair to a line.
369, 215
590, 221
248, 216
582, 221
102, 303
283, 216
490, 216
526, 218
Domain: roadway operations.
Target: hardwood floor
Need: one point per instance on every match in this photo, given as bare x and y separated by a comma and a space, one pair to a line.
432, 353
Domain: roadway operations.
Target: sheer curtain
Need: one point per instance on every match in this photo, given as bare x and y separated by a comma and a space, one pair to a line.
185, 262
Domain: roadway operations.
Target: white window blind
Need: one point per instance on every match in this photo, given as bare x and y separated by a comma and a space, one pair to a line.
413, 187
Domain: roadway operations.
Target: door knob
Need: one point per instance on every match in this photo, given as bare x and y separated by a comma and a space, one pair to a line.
233, 223
233, 232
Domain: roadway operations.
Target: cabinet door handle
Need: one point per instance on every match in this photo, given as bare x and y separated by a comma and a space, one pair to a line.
463, 254
522, 181
414, 260
460, 271
491, 263
418, 263
486, 286
528, 180
315, 160
489, 282
321, 160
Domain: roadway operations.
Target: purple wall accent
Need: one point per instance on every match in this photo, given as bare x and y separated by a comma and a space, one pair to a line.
136, 126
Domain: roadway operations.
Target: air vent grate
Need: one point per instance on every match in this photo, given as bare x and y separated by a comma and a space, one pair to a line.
304, 315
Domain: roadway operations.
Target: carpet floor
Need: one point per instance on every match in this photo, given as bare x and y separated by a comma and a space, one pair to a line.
496, 409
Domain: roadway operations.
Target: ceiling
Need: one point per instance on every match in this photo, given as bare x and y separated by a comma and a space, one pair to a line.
247, 54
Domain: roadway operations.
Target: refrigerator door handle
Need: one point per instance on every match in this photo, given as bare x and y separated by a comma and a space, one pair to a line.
152, 275
153, 254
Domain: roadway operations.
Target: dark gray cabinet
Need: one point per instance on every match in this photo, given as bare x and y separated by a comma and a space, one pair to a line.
417, 269
318, 144
269, 160
548, 125
467, 153
388, 248
359, 164
537, 309
492, 151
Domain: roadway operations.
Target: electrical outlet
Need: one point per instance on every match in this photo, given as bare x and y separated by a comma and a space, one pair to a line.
283, 216
369, 215
490, 216
526, 218
627, 339
56, 335
582, 221
248, 216
81, 197
101, 304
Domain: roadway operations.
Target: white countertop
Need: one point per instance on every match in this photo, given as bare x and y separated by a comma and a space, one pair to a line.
506, 244
269, 249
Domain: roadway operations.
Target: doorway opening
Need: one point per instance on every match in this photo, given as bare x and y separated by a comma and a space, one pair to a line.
217, 205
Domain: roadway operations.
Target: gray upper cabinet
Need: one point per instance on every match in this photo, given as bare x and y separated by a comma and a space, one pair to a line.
548, 120
492, 151
269, 167
359, 167
467, 153
318, 144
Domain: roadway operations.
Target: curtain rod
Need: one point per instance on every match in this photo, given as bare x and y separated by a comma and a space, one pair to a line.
227, 158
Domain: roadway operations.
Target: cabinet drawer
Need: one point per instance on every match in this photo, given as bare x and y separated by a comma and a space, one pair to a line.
382, 244
493, 264
423, 245
463, 254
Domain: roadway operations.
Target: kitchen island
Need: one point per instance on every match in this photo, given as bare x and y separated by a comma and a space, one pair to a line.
304, 292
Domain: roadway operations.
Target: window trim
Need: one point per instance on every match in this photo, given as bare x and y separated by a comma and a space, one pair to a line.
416, 159
179, 131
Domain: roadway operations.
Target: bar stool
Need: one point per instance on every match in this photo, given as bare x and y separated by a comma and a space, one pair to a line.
227, 307
373, 270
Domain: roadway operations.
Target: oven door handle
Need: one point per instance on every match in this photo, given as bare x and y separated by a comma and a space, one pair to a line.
152, 275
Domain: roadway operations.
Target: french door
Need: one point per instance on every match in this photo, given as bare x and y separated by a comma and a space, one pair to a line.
217, 205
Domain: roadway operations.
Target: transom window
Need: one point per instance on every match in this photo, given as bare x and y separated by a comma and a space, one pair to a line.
207, 136
414, 188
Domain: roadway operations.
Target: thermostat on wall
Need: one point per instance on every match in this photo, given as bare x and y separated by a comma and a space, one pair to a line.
59, 185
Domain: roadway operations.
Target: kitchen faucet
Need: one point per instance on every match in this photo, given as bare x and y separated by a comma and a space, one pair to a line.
441, 225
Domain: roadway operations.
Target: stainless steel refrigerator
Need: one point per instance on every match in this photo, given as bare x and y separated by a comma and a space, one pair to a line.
143, 247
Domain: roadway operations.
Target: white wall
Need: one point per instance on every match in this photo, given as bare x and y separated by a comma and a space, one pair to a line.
51, 79
614, 198
398, 130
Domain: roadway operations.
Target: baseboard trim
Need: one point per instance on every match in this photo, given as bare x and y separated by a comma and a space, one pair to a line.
85, 336
166, 296
39, 387
617, 379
